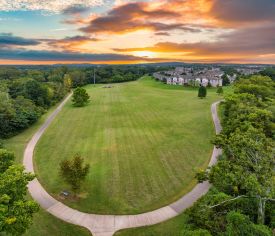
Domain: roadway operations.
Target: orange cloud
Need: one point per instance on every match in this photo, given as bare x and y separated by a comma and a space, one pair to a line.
140, 15
237, 44
70, 43
193, 30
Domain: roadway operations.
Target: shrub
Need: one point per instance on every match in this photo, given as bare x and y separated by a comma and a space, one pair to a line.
80, 97
202, 92
219, 90
74, 172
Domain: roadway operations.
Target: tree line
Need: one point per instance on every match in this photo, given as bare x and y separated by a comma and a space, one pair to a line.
16, 211
25, 94
242, 199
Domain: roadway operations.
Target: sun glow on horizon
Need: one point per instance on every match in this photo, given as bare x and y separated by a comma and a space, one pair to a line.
147, 54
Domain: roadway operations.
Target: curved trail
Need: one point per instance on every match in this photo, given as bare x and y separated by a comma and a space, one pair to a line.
107, 225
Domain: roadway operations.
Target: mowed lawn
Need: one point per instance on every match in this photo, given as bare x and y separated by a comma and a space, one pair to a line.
144, 142
44, 224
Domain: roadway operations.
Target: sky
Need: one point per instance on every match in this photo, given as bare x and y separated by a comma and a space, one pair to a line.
137, 31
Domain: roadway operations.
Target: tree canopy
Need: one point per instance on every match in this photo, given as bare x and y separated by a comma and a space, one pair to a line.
202, 92
244, 177
74, 172
80, 97
15, 211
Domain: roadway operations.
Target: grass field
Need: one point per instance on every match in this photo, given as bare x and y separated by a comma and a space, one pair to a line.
44, 224
172, 227
144, 142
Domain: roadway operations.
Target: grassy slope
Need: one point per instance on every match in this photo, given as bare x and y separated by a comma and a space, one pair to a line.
171, 227
44, 224
144, 141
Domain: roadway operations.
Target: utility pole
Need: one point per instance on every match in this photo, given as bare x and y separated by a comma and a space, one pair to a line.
94, 75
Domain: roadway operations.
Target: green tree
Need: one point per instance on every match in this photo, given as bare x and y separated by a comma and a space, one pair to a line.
57, 74
36, 75
16, 212
240, 225
270, 72
80, 97
244, 110
260, 86
78, 78
197, 232
6, 160
248, 169
38, 93
219, 90
7, 113
200, 215
68, 82
202, 92
26, 113
225, 80
74, 172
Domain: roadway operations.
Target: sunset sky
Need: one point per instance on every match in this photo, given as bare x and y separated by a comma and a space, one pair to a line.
128, 31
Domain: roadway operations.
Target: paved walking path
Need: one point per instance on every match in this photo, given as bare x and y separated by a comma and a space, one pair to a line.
107, 225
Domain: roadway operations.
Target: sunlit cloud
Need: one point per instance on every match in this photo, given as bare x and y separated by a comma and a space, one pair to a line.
70, 43
231, 45
148, 30
138, 16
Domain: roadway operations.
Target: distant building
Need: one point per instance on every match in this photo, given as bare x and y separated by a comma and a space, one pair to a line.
249, 70
185, 76
232, 78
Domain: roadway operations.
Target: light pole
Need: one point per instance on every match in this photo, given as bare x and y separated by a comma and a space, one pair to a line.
94, 76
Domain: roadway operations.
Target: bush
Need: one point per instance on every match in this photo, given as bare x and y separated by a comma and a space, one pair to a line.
197, 232
74, 172
219, 90
80, 97
202, 92
239, 224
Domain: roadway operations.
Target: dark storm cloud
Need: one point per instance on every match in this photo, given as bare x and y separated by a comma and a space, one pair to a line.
41, 55
8, 40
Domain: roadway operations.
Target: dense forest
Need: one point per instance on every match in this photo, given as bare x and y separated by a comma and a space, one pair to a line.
25, 94
242, 199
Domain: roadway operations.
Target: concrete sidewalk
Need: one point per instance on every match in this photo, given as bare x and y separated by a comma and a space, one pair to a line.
107, 225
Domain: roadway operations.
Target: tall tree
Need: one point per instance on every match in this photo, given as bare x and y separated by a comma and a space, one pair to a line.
38, 93
80, 97
202, 92
74, 172
67, 82
219, 90
7, 113
15, 211
240, 225
260, 86
248, 169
